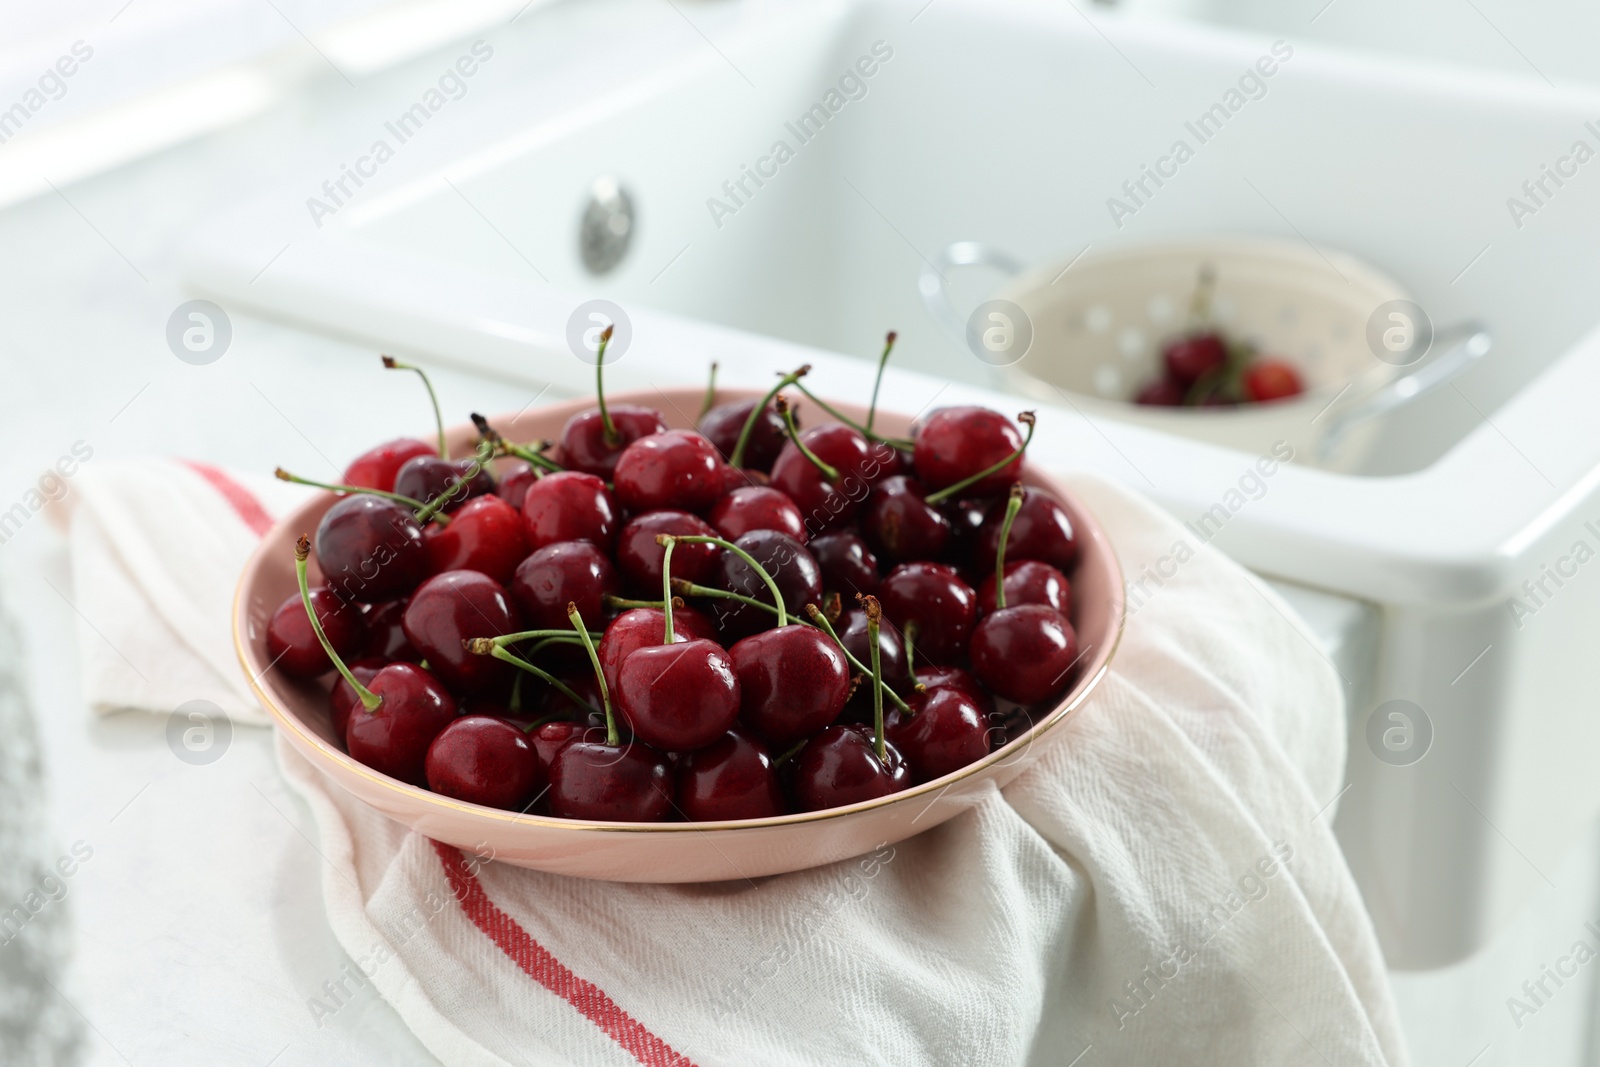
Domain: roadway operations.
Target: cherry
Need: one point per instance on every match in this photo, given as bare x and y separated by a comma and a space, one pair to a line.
966, 517
548, 738
723, 424
584, 445
852, 628
794, 680
1271, 379
672, 469
515, 478
1025, 652
901, 525
827, 498
386, 637
1028, 582
638, 627
450, 608
757, 508
731, 478
485, 534
945, 730
848, 565
1187, 358
731, 778
569, 506
376, 467
1042, 531
370, 549
427, 478
559, 705
933, 596
940, 677
560, 574
957, 444
343, 697
484, 760
839, 766
639, 554
295, 647
1161, 393
786, 560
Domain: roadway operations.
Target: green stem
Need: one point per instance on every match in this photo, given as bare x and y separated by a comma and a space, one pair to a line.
749, 428
711, 393
433, 508
515, 703
438, 419
822, 620
874, 619
611, 435
333, 487
492, 649
777, 596
684, 587
594, 658
508, 448
667, 542
1028, 420
1013, 505
829, 472
883, 361
625, 604
897, 442
302, 549
909, 634
526, 635
789, 754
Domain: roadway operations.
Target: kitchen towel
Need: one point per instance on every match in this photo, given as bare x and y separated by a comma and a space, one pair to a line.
1163, 887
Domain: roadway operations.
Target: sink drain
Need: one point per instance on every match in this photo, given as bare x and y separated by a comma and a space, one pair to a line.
607, 227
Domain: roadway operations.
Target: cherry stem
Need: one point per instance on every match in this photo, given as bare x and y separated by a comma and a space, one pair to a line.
829, 472
667, 541
1013, 505
683, 587
515, 703
1200, 305
333, 487
612, 438
909, 633
874, 623
883, 361
594, 658
517, 638
531, 453
1027, 419
822, 620
489, 648
438, 419
777, 595
302, 549
711, 393
897, 442
435, 506
749, 427
790, 753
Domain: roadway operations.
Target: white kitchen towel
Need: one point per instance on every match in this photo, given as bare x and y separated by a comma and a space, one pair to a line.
1161, 888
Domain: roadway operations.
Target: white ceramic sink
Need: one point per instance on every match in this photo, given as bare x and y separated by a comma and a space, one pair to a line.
1013, 123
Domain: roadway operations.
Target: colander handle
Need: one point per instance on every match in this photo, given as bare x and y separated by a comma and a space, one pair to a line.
1470, 343
935, 287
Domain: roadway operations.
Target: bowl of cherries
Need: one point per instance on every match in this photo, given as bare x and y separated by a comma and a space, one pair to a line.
598, 640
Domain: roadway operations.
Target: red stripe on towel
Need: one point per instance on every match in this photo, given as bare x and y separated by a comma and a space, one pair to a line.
242, 500
537, 963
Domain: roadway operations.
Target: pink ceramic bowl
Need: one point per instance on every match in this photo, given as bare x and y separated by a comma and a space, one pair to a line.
660, 852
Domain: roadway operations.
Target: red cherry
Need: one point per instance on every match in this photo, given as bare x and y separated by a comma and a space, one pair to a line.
293, 644
1187, 358
731, 478
786, 560
793, 681
342, 699
450, 608
639, 556
569, 506
386, 637
823, 504
757, 508
370, 549
940, 677
484, 760
679, 696
393, 739
548, 739
515, 477
376, 467
934, 597
1161, 393
675, 469
840, 766
1271, 379
1024, 653
1029, 582
583, 445
638, 627
731, 778
848, 565
852, 630
723, 424
1042, 531
560, 574
485, 534
954, 444
593, 780
945, 731
901, 525
426, 477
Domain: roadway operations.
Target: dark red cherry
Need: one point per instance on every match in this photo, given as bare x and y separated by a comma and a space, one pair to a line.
1161, 393
679, 696
757, 508
548, 739
823, 504
582, 682
594, 781
377, 467
1029, 582
739, 478
343, 697
1042, 530
426, 477
638, 627
568, 572
945, 731
570, 506
386, 637
639, 556
453, 607
793, 681
942, 677
934, 597
293, 644
731, 778
484, 760
515, 477
901, 525
956, 443
676, 469
840, 766
484, 534
394, 738
1187, 358
370, 549
966, 517
583, 445
848, 565
794, 570
723, 424
1024, 653
892, 663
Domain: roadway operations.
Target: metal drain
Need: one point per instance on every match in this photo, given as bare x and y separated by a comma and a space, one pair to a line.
607, 227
